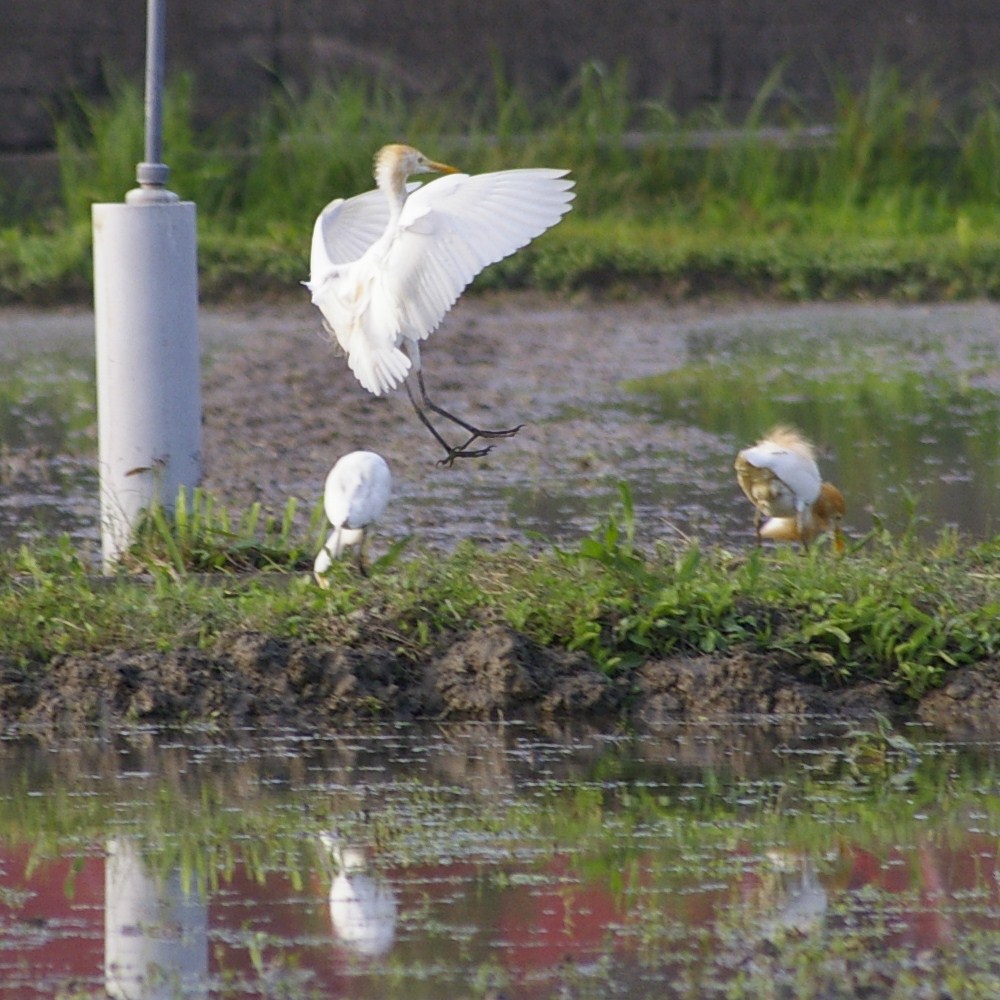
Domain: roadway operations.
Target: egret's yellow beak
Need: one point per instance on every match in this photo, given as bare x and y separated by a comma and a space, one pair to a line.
838, 541
442, 168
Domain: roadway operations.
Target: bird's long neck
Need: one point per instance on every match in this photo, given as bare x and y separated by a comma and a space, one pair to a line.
392, 183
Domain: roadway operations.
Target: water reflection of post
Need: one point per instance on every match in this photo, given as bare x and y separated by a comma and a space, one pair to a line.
362, 905
155, 933
798, 899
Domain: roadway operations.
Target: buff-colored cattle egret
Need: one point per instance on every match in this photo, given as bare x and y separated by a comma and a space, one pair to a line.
780, 477
356, 493
387, 265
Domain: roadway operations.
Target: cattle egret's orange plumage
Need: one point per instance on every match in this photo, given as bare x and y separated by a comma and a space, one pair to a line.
387, 265
780, 477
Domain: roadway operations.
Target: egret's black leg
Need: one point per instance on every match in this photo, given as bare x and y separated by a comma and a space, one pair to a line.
476, 432
453, 452
460, 451
362, 562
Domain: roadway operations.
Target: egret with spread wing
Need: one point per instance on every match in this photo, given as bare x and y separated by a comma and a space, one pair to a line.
387, 265
356, 493
780, 477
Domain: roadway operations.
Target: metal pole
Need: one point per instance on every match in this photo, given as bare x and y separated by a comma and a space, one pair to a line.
151, 174
155, 53
146, 324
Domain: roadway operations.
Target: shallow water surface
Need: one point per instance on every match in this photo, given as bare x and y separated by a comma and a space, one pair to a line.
487, 861
902, 402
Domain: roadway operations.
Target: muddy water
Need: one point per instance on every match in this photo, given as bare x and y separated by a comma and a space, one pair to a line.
488, 861
903, 402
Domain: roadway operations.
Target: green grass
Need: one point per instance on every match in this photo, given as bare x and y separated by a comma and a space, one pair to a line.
893, 609
902, 199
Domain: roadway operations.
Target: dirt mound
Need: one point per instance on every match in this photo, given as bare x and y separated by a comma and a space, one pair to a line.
968, 703
709, 687
255, 680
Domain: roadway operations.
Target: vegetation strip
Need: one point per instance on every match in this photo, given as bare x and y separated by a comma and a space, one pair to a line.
900, 198
892, 611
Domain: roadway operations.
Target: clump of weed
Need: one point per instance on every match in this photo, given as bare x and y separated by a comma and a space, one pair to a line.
905, 181
198, 535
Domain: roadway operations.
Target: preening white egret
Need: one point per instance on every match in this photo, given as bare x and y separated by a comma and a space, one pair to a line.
356, 493
780, 477
387, 265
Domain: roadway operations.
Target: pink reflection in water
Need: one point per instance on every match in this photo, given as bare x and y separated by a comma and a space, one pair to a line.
340, 935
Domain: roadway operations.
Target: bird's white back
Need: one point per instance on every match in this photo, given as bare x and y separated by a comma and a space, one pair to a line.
798, 471
357, 490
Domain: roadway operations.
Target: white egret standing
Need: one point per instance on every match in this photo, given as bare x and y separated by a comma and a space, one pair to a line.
356, 493
387, 265
780, 477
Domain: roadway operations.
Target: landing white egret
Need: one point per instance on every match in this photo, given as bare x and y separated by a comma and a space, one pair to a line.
780, 477
387, 265
355, 496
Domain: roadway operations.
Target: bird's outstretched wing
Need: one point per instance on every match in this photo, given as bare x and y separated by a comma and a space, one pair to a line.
453, 227
799, 473
346, 228
378, 285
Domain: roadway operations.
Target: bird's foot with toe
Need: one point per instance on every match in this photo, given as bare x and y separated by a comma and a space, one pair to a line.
463, 451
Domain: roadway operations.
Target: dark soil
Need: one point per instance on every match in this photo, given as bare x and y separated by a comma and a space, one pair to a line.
258, 681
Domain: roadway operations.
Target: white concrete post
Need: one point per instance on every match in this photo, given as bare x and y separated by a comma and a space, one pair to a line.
146, 319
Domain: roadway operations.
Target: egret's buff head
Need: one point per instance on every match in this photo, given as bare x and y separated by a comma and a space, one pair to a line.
790, 438
397, 161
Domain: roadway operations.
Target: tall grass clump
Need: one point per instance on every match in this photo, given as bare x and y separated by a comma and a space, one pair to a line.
978, 140
199, 535
740, 167
99, 144
888, 160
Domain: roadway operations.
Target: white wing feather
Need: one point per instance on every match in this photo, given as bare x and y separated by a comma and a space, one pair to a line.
797, 471
457, 225
346, 228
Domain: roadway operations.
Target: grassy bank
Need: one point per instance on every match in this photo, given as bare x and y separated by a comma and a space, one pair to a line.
899, 196
893, 609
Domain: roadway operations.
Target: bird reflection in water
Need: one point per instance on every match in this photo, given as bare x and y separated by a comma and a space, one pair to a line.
363, 906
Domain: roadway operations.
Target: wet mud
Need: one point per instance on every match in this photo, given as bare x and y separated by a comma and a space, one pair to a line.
251, 680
